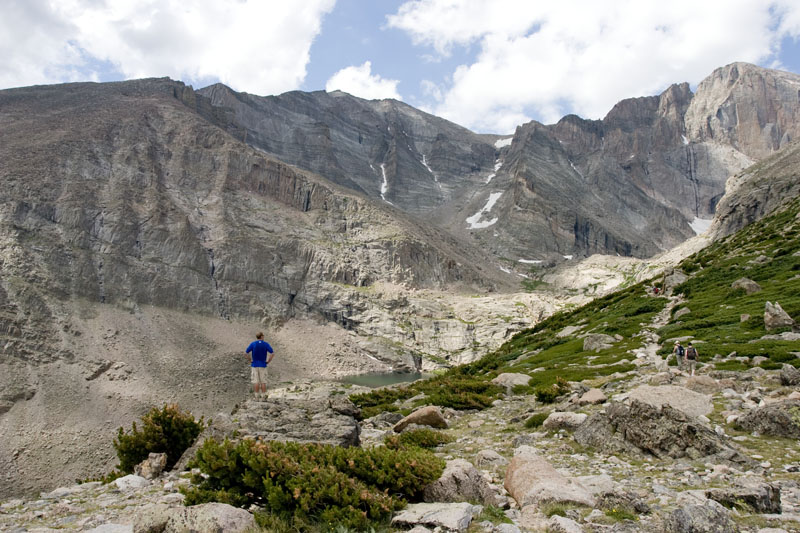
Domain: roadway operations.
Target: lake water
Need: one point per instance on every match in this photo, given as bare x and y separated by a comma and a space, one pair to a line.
381, 380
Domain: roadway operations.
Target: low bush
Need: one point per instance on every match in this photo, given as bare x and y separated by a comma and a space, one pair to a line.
326, 485
550, 393
167, 430
536, 420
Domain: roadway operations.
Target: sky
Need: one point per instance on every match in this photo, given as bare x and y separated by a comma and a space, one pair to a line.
488, 65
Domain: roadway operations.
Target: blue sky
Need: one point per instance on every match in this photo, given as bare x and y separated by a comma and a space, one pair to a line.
487, 65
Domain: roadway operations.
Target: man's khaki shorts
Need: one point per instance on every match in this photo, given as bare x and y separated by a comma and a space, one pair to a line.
258, 374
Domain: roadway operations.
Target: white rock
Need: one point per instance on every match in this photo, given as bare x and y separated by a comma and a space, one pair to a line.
562, 524
131, 482
564, 420
530, 480
112, 528
452, 516
687, 401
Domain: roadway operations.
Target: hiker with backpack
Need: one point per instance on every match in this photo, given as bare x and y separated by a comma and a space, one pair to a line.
679, 354
258, 350
691, 358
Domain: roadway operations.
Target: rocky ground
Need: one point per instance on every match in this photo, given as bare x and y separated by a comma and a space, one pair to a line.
688, 454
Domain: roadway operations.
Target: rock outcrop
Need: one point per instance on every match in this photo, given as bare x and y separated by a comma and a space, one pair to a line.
780, 419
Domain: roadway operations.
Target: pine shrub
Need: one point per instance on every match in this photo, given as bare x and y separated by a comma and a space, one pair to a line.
420, 438
322, 484
167, 430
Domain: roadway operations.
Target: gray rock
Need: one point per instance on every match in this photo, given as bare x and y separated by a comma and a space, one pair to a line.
592, 396
531, 480
682, 312
131, 482
152, 518
684, 400
664, 432
430, 415
703, 384
779, 419
673, 279
708, 518
562, 524
489, 457
597, 342
386, 419
749, 286
315, 420
564, 420
216, 517
510, 380
507, 528
151, 467
759, 497
789, 376
775, 317
450, 516
112, 528
460, 482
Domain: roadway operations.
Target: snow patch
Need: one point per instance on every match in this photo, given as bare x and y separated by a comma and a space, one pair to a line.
384, 185
503, 142
700, 225
504, 269
568, 257
530, 261
496, 168
684, 139
576, 169
474, 221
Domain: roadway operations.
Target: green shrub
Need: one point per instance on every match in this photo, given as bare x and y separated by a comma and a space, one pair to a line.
420, 438
166, 430
536, 420
550, 393
325, 485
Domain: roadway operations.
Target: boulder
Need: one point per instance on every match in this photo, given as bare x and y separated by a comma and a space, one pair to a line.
703, 384
759, 497
449, 516
710, 517
312, 420
383, 420
460, 482
681, 312
567, 331
595, 342
775, 317
151, 467
131, 482
209, 517
664, 432
592, 396
430, 415
564, 420
531, 480
510, 380
151, 518
109, 528
562, 524
779, 419
490, 457
789, 376
748, 285
687, 401
673, 279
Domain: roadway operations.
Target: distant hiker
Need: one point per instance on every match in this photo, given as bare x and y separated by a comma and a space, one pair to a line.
258, 350
691, 358
679, 353
655, 290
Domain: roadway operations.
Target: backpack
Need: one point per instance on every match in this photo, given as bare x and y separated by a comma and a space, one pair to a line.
680, 350
691, 353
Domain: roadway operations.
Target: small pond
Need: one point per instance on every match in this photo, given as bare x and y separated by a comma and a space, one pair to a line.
383, 379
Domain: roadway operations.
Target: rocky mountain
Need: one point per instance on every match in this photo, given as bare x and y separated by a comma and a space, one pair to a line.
634, 183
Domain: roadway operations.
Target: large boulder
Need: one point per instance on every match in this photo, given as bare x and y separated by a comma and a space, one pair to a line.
314, 420
789, 376
760, 497
430, 415
449, 516
209, 517
460, 482
131, 482
682, 399
748, 285
592, 396
531, 480
664, 432
710, 517
151, 467
775, 317
510, 380
564, 420
779, 419
595, 342
673, 279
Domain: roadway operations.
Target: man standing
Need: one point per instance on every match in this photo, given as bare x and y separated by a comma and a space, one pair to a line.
691, 358
258, 350
678, 351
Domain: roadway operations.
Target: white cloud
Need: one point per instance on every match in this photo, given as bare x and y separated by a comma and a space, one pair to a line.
359, 81
546, 59
258, 46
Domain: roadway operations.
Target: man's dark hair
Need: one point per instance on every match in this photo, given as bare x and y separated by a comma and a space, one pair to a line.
259, 335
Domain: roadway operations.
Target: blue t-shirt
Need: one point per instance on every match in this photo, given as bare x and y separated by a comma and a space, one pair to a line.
259, 349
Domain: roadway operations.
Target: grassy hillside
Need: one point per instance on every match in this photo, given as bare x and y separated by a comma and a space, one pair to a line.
768, 252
